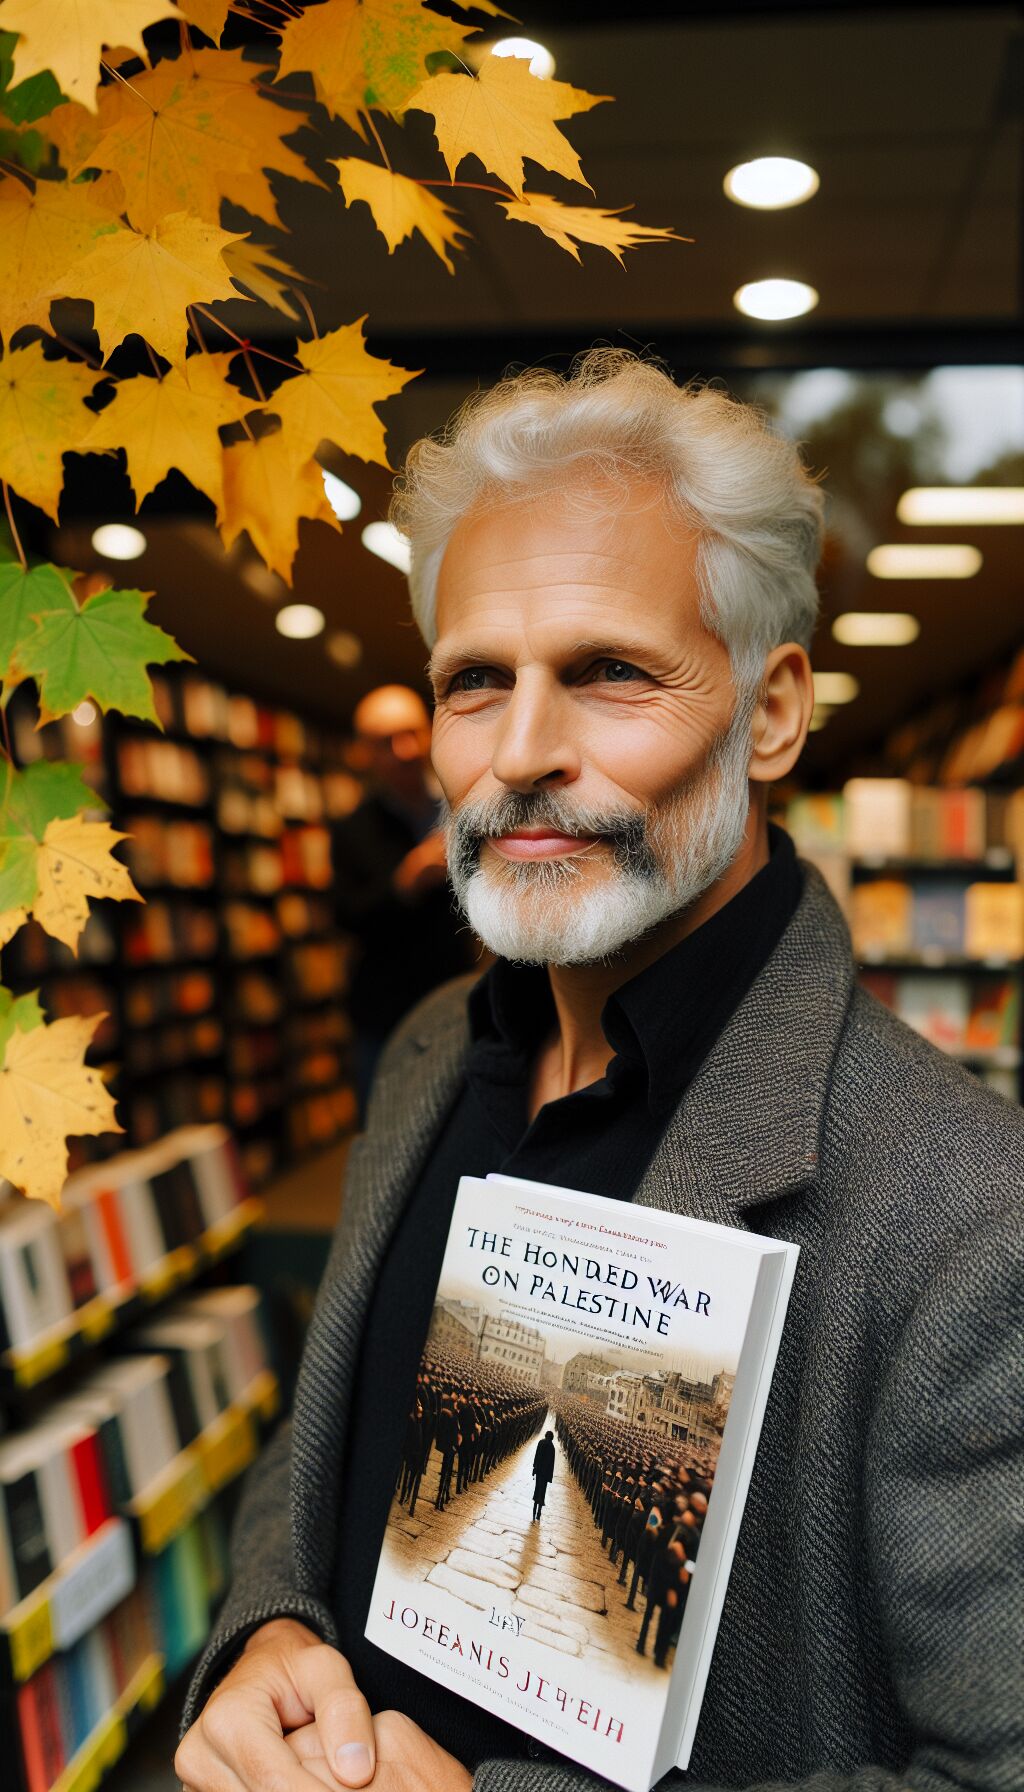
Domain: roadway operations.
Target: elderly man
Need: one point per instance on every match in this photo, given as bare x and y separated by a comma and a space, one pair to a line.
616, 579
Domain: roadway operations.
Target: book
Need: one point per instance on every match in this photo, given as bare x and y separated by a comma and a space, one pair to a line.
937, 1007
619, 1359
34, 1292
880, 917
995, 920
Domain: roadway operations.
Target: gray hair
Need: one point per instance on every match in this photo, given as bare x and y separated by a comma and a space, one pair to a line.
729, 477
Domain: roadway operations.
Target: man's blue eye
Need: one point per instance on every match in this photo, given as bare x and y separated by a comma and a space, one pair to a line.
472, 679
619, 671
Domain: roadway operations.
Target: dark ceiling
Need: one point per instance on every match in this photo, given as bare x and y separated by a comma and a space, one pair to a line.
912, 116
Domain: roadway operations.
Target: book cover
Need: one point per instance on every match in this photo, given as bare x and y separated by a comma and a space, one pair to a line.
583, 1422
994, 1020
936, 1007
938, 915
995, 920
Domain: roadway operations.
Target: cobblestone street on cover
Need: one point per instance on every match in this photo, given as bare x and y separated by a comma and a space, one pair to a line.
485, 1549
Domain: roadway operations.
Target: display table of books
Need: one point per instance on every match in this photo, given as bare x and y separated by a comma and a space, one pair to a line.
131, 1402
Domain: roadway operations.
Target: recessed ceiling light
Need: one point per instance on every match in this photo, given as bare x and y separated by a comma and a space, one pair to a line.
299, 621
819, 716
835, 687
344, 502
344, 648
384, 540
84, 714
541, 61
118, 541
923, 560
876, 628
962, 504
771, 182
775, 299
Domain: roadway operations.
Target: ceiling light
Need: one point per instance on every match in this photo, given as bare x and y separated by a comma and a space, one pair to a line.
962, 504
384, 540
266, 584
118, 541
345, 649
924, 560
819, 716
299, 621
344, 502
771, 182
876, 628
835, 687
84, 714
775, 299
542, 62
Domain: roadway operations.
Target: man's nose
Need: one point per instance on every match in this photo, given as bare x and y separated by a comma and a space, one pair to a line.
536, 742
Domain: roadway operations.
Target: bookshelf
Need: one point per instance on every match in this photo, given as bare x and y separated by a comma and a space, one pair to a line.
225, 990
133, 1397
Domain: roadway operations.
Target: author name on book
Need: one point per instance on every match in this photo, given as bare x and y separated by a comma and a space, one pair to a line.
525, 1680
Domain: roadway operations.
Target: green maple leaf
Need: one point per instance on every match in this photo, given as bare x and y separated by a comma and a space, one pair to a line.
100, 650
18, 1014
25, 592
43, 792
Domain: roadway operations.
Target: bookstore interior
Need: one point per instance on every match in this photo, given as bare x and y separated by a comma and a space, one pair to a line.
149, 1328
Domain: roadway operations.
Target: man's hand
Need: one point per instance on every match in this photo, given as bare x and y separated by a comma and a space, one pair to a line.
422, 869
407, 1759
285, 1680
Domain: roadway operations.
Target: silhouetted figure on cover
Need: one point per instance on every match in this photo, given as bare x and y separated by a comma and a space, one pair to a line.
543, 1470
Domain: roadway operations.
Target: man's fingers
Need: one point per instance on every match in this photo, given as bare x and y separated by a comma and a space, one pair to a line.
237, 1746
326, 1686
307, 1747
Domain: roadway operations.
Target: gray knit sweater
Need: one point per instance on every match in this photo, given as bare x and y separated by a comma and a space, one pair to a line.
872, 1638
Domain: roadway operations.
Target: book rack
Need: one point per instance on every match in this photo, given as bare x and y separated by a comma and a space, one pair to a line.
104, 1747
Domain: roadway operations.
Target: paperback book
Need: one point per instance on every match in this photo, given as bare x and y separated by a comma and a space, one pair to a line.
577, 1455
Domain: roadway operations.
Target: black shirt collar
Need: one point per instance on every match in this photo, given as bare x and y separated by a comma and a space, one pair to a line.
664, 1021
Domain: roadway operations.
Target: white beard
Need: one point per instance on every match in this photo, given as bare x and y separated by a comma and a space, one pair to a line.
549, 912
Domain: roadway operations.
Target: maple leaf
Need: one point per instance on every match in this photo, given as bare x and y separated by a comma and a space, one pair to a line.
502, 115
399, 206
20, 1013
143, 280
41, 417
587, 223
68, 37
326, 42
74, 132
99, 649
48, 1092
172, 422
265, 494
74, 865
29, 801
42, 232
255, 270
260, 124
364, 53
211, 16
25, 591
333, 398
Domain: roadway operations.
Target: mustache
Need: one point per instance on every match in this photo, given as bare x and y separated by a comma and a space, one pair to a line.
625, 831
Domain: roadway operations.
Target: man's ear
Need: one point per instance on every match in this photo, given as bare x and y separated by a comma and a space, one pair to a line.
783, 713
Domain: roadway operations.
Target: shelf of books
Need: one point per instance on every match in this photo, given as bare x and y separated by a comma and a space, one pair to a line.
932, 883
224, 993
135, 1396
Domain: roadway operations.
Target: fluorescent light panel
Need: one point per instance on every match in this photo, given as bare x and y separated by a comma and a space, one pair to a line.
835, 687
924, 560
962, 504
876, 628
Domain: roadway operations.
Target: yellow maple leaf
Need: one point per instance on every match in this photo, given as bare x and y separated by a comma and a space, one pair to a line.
399, 206
75, 864
587, 223
41, 418
143, 280
172, 422
326, 42
333, 398
74, 132
257, 271
210, 15
68, 37
364, 53
48, 1093
502, 115
265, 494
42, 232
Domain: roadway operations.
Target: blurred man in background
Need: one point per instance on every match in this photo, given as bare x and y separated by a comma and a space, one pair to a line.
389, 876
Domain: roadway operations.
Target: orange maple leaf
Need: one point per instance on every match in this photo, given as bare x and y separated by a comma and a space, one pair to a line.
364, 53
43, 231
265, 494
69, 36
399, 206
502, 115
172, 422
333, 398
143, 280
42, 417
587, 223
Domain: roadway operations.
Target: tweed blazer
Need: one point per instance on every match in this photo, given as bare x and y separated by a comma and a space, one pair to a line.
872, 1638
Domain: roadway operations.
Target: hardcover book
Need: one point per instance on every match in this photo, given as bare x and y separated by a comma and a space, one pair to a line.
577, 1454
